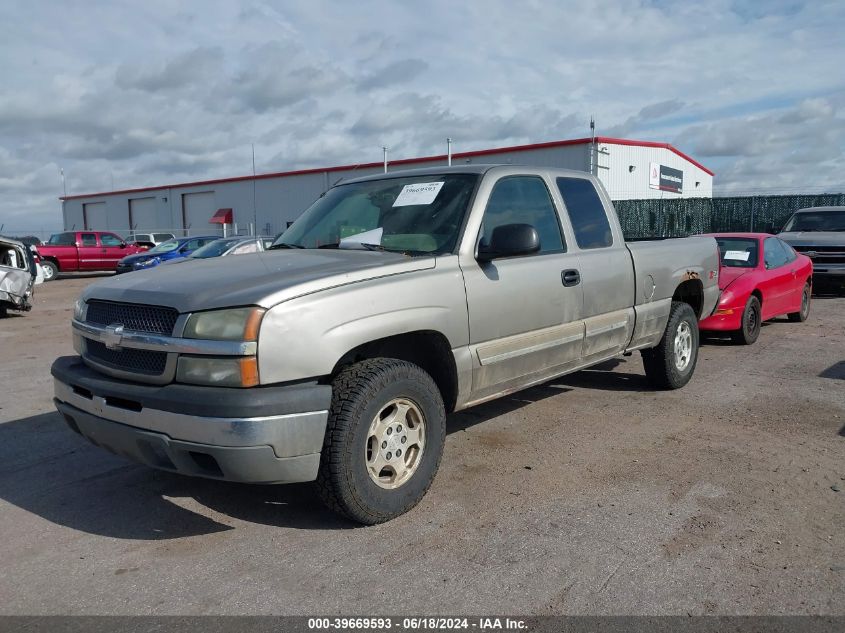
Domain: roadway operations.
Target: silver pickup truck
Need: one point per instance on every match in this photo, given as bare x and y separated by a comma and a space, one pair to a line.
392, 301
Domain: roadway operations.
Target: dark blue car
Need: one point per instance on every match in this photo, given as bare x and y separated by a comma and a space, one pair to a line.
171, 249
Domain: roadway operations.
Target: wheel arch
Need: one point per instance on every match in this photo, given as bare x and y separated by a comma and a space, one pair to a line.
691, 291
428, 349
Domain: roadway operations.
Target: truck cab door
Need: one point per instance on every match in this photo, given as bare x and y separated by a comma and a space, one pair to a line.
89, 251
607, 269
524, 311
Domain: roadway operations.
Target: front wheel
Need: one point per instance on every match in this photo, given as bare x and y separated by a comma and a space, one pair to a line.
384, 440
749, 332
804, 312
671, 364
50, 270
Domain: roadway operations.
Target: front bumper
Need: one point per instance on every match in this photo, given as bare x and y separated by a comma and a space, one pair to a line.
722, 322
830, 271
262, 435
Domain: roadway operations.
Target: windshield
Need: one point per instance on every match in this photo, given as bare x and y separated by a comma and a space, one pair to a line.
414, 215
165, 247
215, 248
738, 252
816, 221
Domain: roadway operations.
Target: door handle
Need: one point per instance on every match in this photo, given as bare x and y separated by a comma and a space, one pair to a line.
570, 277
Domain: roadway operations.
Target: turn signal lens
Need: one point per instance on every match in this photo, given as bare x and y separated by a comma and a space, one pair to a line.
218, 372
724, 311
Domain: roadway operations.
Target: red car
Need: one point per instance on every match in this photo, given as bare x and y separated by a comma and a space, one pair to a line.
760, 277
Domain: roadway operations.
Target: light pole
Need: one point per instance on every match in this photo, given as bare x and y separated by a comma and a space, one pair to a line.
64, 185
384, 152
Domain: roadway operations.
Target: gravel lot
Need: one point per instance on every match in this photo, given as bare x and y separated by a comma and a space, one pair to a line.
588, 495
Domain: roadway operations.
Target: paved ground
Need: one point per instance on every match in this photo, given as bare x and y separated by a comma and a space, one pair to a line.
588, 495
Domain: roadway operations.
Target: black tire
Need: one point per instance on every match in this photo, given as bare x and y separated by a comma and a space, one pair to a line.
752, 320
50, 270
659, 362
801, 315
3, 312
360, 393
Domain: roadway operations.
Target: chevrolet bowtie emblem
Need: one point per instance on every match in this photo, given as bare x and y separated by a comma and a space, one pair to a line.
113, 335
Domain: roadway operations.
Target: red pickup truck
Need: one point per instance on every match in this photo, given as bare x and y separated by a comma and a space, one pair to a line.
78, 251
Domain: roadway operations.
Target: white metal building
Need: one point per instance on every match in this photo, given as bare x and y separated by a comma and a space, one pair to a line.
628, 169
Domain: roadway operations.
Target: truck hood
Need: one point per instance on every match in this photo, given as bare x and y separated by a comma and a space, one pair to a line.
813, 238
263, 279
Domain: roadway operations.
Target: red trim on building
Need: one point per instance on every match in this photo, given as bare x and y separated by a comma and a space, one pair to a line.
403, 161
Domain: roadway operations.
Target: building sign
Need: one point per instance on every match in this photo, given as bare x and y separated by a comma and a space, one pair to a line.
665, 178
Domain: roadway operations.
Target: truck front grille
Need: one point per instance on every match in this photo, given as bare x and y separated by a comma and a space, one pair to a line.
135, 317
139, 361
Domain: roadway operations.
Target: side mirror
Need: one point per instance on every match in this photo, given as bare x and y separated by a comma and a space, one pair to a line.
510, 240
123, 245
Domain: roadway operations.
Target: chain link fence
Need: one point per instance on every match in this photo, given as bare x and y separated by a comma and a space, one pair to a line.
643, 219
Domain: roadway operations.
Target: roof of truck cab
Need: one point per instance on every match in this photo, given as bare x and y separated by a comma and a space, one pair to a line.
817, 209
463, 169
739, 234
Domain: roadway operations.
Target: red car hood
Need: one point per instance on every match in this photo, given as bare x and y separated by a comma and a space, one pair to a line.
728, 275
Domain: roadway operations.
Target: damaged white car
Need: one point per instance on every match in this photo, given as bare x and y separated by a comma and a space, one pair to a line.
18, 276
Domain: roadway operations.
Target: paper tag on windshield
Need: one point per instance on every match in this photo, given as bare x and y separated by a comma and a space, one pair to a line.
421, 193
738, 255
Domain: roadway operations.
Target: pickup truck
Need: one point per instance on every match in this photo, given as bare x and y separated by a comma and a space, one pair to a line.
392, 301
819, 233
79, 251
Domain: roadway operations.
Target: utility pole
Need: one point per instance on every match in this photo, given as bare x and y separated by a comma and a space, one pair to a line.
64, 184
254, 208
592, 145
384, 151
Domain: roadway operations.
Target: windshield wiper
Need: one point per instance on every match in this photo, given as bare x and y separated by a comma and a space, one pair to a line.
354, 246
284, 245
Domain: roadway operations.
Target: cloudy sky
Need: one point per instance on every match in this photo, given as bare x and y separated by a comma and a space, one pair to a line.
129, 94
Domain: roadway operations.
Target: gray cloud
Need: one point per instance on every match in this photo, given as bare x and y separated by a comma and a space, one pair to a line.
398, 72
145, 97
196, 67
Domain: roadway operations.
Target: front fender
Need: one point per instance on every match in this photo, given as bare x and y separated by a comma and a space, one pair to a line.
305, 337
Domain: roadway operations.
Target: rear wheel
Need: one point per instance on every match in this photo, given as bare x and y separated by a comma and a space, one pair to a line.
384, 440
50, 270
804, 312
671, 364
751, 321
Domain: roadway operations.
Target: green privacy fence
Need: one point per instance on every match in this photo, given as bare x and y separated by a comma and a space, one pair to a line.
642, 219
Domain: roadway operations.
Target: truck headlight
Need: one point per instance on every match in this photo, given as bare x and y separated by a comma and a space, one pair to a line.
80, 309
219, 372
238, 324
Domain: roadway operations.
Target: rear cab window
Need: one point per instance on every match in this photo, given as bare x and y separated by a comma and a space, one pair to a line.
62, 239
586, 213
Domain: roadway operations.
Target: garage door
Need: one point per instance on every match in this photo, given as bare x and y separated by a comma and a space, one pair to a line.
142, 212
197, 209
96, 216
